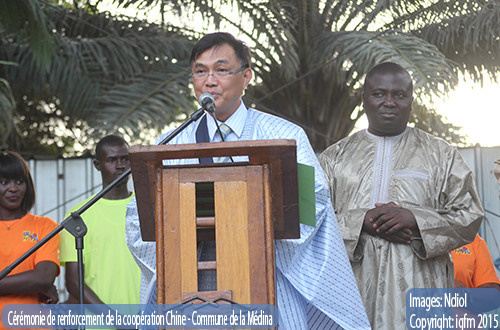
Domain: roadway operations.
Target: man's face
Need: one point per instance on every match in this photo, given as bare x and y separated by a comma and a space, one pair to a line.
226, 91
387, 101
114, 161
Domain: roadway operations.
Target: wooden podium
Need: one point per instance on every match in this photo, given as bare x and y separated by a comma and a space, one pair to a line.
253, 203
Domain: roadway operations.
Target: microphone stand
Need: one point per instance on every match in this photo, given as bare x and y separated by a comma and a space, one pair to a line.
74, 223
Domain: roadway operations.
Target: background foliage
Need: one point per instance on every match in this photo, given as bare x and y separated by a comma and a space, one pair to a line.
71, 72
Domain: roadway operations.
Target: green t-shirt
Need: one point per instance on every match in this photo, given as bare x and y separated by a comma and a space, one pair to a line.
110, 270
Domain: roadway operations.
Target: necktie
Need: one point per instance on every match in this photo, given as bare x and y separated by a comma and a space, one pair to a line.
224, 130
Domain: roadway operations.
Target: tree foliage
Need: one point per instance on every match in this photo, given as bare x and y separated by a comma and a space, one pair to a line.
110, 72
312, 56
107, 74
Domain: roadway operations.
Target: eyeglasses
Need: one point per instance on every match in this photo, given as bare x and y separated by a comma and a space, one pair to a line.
216, 74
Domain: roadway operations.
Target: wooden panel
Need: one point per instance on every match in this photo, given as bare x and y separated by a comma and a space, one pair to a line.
260, 149
189, 265
160, 229
232, 243
244, 238
160, 244
269, 240
168, 228
214, 174
280, 155
145, 178
257, 236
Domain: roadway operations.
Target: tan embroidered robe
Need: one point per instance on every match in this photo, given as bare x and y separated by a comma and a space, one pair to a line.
421, 173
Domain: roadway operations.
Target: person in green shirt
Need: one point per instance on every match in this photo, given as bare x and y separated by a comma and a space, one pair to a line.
111, 274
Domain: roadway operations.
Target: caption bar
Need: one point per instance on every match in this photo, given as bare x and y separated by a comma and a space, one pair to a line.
203, 316
453, 308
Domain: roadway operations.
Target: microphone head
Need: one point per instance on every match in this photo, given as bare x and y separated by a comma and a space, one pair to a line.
207, 102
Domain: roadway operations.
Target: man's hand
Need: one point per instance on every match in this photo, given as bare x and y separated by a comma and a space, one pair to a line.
391, 222
368, 222
390, 218
403, 236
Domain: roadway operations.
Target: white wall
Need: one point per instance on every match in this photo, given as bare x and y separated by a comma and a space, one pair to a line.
481, 161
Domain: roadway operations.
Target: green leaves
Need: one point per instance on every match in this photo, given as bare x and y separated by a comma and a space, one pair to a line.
359, 51
107, 74
27, 20
97, 72
154, 99
7, 112
471, 40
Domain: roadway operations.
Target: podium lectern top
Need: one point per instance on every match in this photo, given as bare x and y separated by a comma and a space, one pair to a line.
279, 156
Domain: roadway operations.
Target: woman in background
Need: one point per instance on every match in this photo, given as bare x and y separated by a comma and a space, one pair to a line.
474, 267
32, 281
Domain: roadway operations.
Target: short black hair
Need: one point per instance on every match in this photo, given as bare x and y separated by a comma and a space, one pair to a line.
108, 140
218, 39
388, 67
14, 167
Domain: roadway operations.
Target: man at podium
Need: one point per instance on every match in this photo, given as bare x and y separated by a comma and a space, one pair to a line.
315, 286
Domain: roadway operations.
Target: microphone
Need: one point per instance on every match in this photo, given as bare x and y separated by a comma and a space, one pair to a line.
207, 102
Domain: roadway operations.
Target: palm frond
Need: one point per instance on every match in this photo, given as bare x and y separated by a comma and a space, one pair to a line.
417, 14
120, 73
155, 99
27, 21
359, 51
86, 67
471, 41
7, 111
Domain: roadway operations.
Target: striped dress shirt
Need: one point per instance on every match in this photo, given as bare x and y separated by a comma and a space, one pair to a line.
315, 285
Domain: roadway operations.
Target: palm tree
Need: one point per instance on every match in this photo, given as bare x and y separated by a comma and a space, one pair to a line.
25, 19
311, 55
106, 74
31, 20
310, 58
